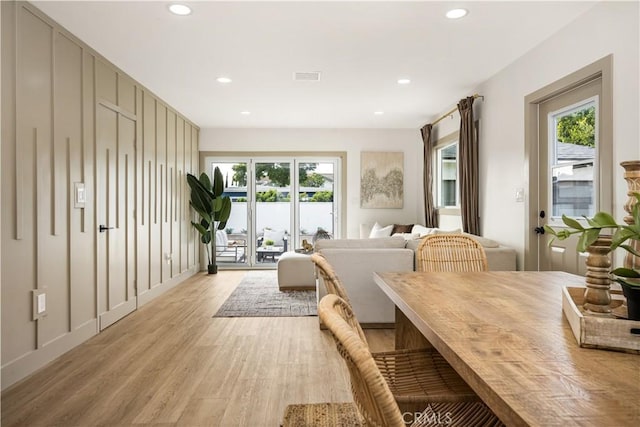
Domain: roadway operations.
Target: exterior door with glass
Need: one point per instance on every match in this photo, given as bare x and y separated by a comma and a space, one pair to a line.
571, 170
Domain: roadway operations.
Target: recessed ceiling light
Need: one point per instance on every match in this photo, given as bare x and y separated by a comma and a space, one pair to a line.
404, 81
180, 9
223, 80
378, 113
245, 113
456, 13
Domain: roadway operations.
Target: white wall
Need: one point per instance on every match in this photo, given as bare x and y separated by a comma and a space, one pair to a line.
608, 28
353, 141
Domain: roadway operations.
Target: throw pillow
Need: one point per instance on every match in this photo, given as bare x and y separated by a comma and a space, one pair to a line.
398, 228
276, 236
378, 231
421, 230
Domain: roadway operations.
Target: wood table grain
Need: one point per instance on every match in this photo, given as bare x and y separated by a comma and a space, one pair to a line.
505, 334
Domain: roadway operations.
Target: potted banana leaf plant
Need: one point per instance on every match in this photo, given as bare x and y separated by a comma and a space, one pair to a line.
626, 237
213, 208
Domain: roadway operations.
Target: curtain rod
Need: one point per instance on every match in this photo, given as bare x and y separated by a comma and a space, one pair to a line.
453, 110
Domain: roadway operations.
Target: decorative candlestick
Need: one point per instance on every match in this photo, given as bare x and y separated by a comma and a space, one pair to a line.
632, 176
597, 299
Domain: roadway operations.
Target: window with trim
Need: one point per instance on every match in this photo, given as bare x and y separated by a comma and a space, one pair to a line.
446, 173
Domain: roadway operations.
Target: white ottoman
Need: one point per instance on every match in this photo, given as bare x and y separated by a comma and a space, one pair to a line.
296, 272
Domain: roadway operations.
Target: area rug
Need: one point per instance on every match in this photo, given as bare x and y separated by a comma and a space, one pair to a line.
258, 295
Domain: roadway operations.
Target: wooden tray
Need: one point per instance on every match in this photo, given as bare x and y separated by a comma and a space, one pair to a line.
610, 333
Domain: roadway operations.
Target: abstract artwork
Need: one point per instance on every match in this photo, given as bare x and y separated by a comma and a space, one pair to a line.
381, 179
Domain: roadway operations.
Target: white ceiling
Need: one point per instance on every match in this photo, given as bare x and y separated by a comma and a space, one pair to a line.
361, 49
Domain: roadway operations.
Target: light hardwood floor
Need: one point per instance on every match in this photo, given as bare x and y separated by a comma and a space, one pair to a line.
171, 363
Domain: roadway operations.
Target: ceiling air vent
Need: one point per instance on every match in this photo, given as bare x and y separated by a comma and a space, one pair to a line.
307, 76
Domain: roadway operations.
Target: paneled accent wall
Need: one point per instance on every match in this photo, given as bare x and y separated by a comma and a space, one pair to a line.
70, 118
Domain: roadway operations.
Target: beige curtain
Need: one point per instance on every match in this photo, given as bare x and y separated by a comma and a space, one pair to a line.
468, 148
430, 213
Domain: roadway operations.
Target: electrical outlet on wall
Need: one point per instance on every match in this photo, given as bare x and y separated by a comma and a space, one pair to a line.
39, 304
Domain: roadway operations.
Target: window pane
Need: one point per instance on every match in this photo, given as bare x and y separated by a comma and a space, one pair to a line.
447, 175
316, 199
572, 171
231, 247
273, 210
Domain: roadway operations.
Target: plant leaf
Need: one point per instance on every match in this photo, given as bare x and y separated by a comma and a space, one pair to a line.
627, 282
223, 214
202, 230
591, 222
570, 222
635, 212
630, 248
604, 219
205, 181
203, 213
620, 236
218, 182
206, 238
626, 272
587, 238
200, 197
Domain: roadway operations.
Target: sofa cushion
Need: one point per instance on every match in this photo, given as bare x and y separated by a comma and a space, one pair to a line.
407, 236
276, 236
384, 242
440, 231
486, 243
379, 231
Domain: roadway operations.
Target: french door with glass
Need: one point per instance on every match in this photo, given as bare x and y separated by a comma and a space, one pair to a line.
277, 203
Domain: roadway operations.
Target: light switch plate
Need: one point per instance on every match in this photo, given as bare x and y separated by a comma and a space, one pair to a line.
519, 194
80, 195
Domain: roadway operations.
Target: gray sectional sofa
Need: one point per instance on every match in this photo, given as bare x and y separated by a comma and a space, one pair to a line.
355, 260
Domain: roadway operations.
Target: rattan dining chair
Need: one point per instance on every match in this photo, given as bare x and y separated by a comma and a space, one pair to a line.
450, 252
414, 376
371, 392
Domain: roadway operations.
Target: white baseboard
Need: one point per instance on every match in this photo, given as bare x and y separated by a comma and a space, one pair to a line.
25, 365
30, 362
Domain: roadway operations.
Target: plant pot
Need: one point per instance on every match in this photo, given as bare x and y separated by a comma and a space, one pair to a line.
632, 293
212, 269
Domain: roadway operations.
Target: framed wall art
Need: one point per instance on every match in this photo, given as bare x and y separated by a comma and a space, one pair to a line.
381, 180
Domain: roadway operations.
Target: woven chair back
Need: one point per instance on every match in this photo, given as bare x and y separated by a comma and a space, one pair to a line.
331, 280
370, 390
450, 252
335, 287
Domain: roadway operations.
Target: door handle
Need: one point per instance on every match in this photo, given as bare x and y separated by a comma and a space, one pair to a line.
104, 228
539, 230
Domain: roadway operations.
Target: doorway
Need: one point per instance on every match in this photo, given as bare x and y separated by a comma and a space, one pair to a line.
568, 140
115, 204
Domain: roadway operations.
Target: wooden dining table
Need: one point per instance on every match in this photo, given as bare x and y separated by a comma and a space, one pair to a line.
505, 334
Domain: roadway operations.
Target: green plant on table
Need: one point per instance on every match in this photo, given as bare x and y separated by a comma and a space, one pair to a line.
620, 235
269, 243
